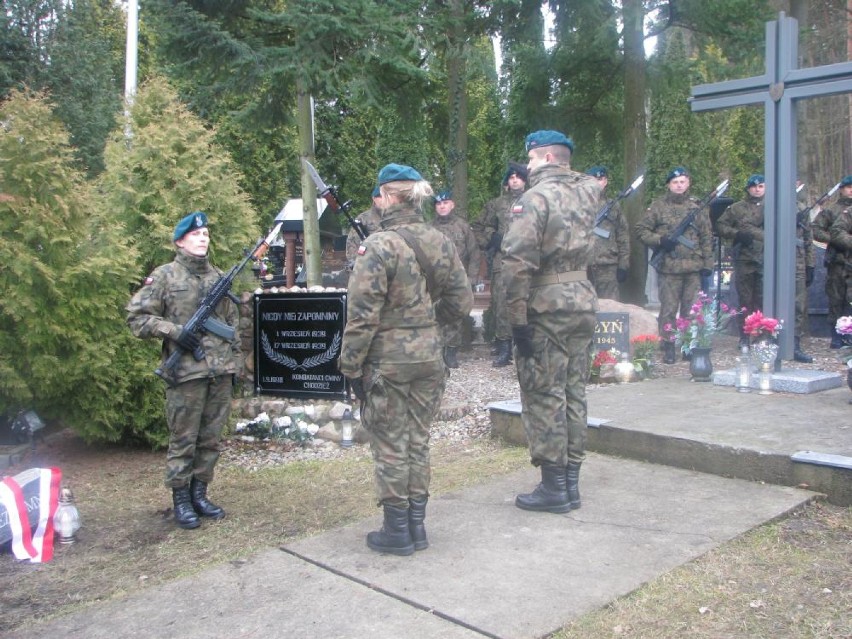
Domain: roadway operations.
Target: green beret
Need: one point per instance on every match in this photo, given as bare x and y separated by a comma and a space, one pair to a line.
548, 138
515, 168
194, 220
846, 181
397, 173
443, 196
597, 171
754, 180
678, 171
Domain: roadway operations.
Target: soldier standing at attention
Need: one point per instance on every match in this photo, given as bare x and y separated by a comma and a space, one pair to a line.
836, 288
407, 281
489, 230
198, 403
458, 230
681, 268
841, 238
552, 311
611, 247
371, 219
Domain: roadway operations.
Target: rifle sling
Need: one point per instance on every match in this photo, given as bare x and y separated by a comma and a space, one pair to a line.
425, 265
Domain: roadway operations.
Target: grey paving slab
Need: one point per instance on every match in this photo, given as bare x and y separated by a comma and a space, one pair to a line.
515, 574
787, 380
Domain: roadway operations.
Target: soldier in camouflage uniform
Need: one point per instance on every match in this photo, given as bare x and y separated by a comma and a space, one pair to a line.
458, 230
805, 272
198, 401
371, 219
681, 268
489, 230
841, 238
552, 311
836, 287
611, 247
408, 280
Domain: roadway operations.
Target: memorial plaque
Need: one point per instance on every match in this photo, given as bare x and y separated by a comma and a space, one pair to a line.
612, 330
297, 344
29, 481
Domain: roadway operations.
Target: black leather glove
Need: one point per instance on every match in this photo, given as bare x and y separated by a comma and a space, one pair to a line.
668, 244
357, 386
495, 241
743, 238
522, 336
810, 273
705, 272
620, 275
188, 340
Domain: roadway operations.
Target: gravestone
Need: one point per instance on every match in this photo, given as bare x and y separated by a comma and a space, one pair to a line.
29, 481
612, 330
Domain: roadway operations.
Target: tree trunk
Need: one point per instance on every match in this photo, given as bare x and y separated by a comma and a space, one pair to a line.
634, 138
310, 221
457, 110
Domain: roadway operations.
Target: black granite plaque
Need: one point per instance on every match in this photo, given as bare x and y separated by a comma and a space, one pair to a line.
612, 330
297, 344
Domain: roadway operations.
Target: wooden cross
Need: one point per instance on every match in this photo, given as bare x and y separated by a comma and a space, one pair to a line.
778, 90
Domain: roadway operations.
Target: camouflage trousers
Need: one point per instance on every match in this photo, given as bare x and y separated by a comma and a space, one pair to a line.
602, 277
748, 277
197, 411
402, 400
452, 333
837, 291
678, 291
499, 310
553, 386
801, 309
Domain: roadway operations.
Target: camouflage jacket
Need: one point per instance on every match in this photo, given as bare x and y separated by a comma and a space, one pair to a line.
661, 218
495, 219
391, 317
805, 254
745, 215
168, 298
550, 232
822, 224
371, 219
841, 237
615, 249
459, 231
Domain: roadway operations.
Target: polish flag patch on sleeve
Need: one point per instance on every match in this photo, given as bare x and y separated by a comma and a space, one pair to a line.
517, 209
148, 281
362, 249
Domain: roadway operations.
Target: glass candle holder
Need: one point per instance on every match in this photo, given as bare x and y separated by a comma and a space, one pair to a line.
764, 380
743, 371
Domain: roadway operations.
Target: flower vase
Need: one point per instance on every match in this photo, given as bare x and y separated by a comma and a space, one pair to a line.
700, 366
765, 351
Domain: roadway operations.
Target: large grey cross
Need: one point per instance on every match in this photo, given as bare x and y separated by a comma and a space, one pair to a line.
778, 89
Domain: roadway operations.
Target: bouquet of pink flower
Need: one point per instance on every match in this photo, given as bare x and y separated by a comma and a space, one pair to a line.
844, 329
758, 326
706, 318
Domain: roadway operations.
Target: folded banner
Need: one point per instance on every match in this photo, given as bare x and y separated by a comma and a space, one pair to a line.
31, 540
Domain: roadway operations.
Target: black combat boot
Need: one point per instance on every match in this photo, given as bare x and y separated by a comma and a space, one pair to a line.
416, 515
836, 340
450, 357
798, 354
495, 348
394, 536
572, 477
668, 353
201, 504
504, 354
551, 495
185, 516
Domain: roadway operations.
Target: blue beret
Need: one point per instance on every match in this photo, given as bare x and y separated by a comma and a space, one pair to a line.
846, 181
443, 196
548, 138
194, 220
754, 180
397, 173
515, 168
376, 192
678, 171
597, 171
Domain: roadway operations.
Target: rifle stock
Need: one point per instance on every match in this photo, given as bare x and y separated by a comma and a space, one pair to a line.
604, 212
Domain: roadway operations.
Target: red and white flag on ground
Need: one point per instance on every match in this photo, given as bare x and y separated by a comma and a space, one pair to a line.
37, 547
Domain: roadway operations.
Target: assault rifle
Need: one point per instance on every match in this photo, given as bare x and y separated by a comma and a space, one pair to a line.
604, 212
803, 216
677, 233
329, 194
202, 320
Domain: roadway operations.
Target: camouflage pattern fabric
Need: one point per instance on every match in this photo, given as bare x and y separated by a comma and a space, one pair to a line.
805, 257
460, 232
371, 219
604, 279
746, 216
495, 217
841, 236
392, 342
610, 253
550, 233
836, 272
198, 406
679, 270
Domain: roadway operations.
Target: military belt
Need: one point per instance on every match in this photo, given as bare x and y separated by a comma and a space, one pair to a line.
557, 278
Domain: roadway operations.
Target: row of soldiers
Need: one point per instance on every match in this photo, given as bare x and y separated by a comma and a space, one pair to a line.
685, 267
